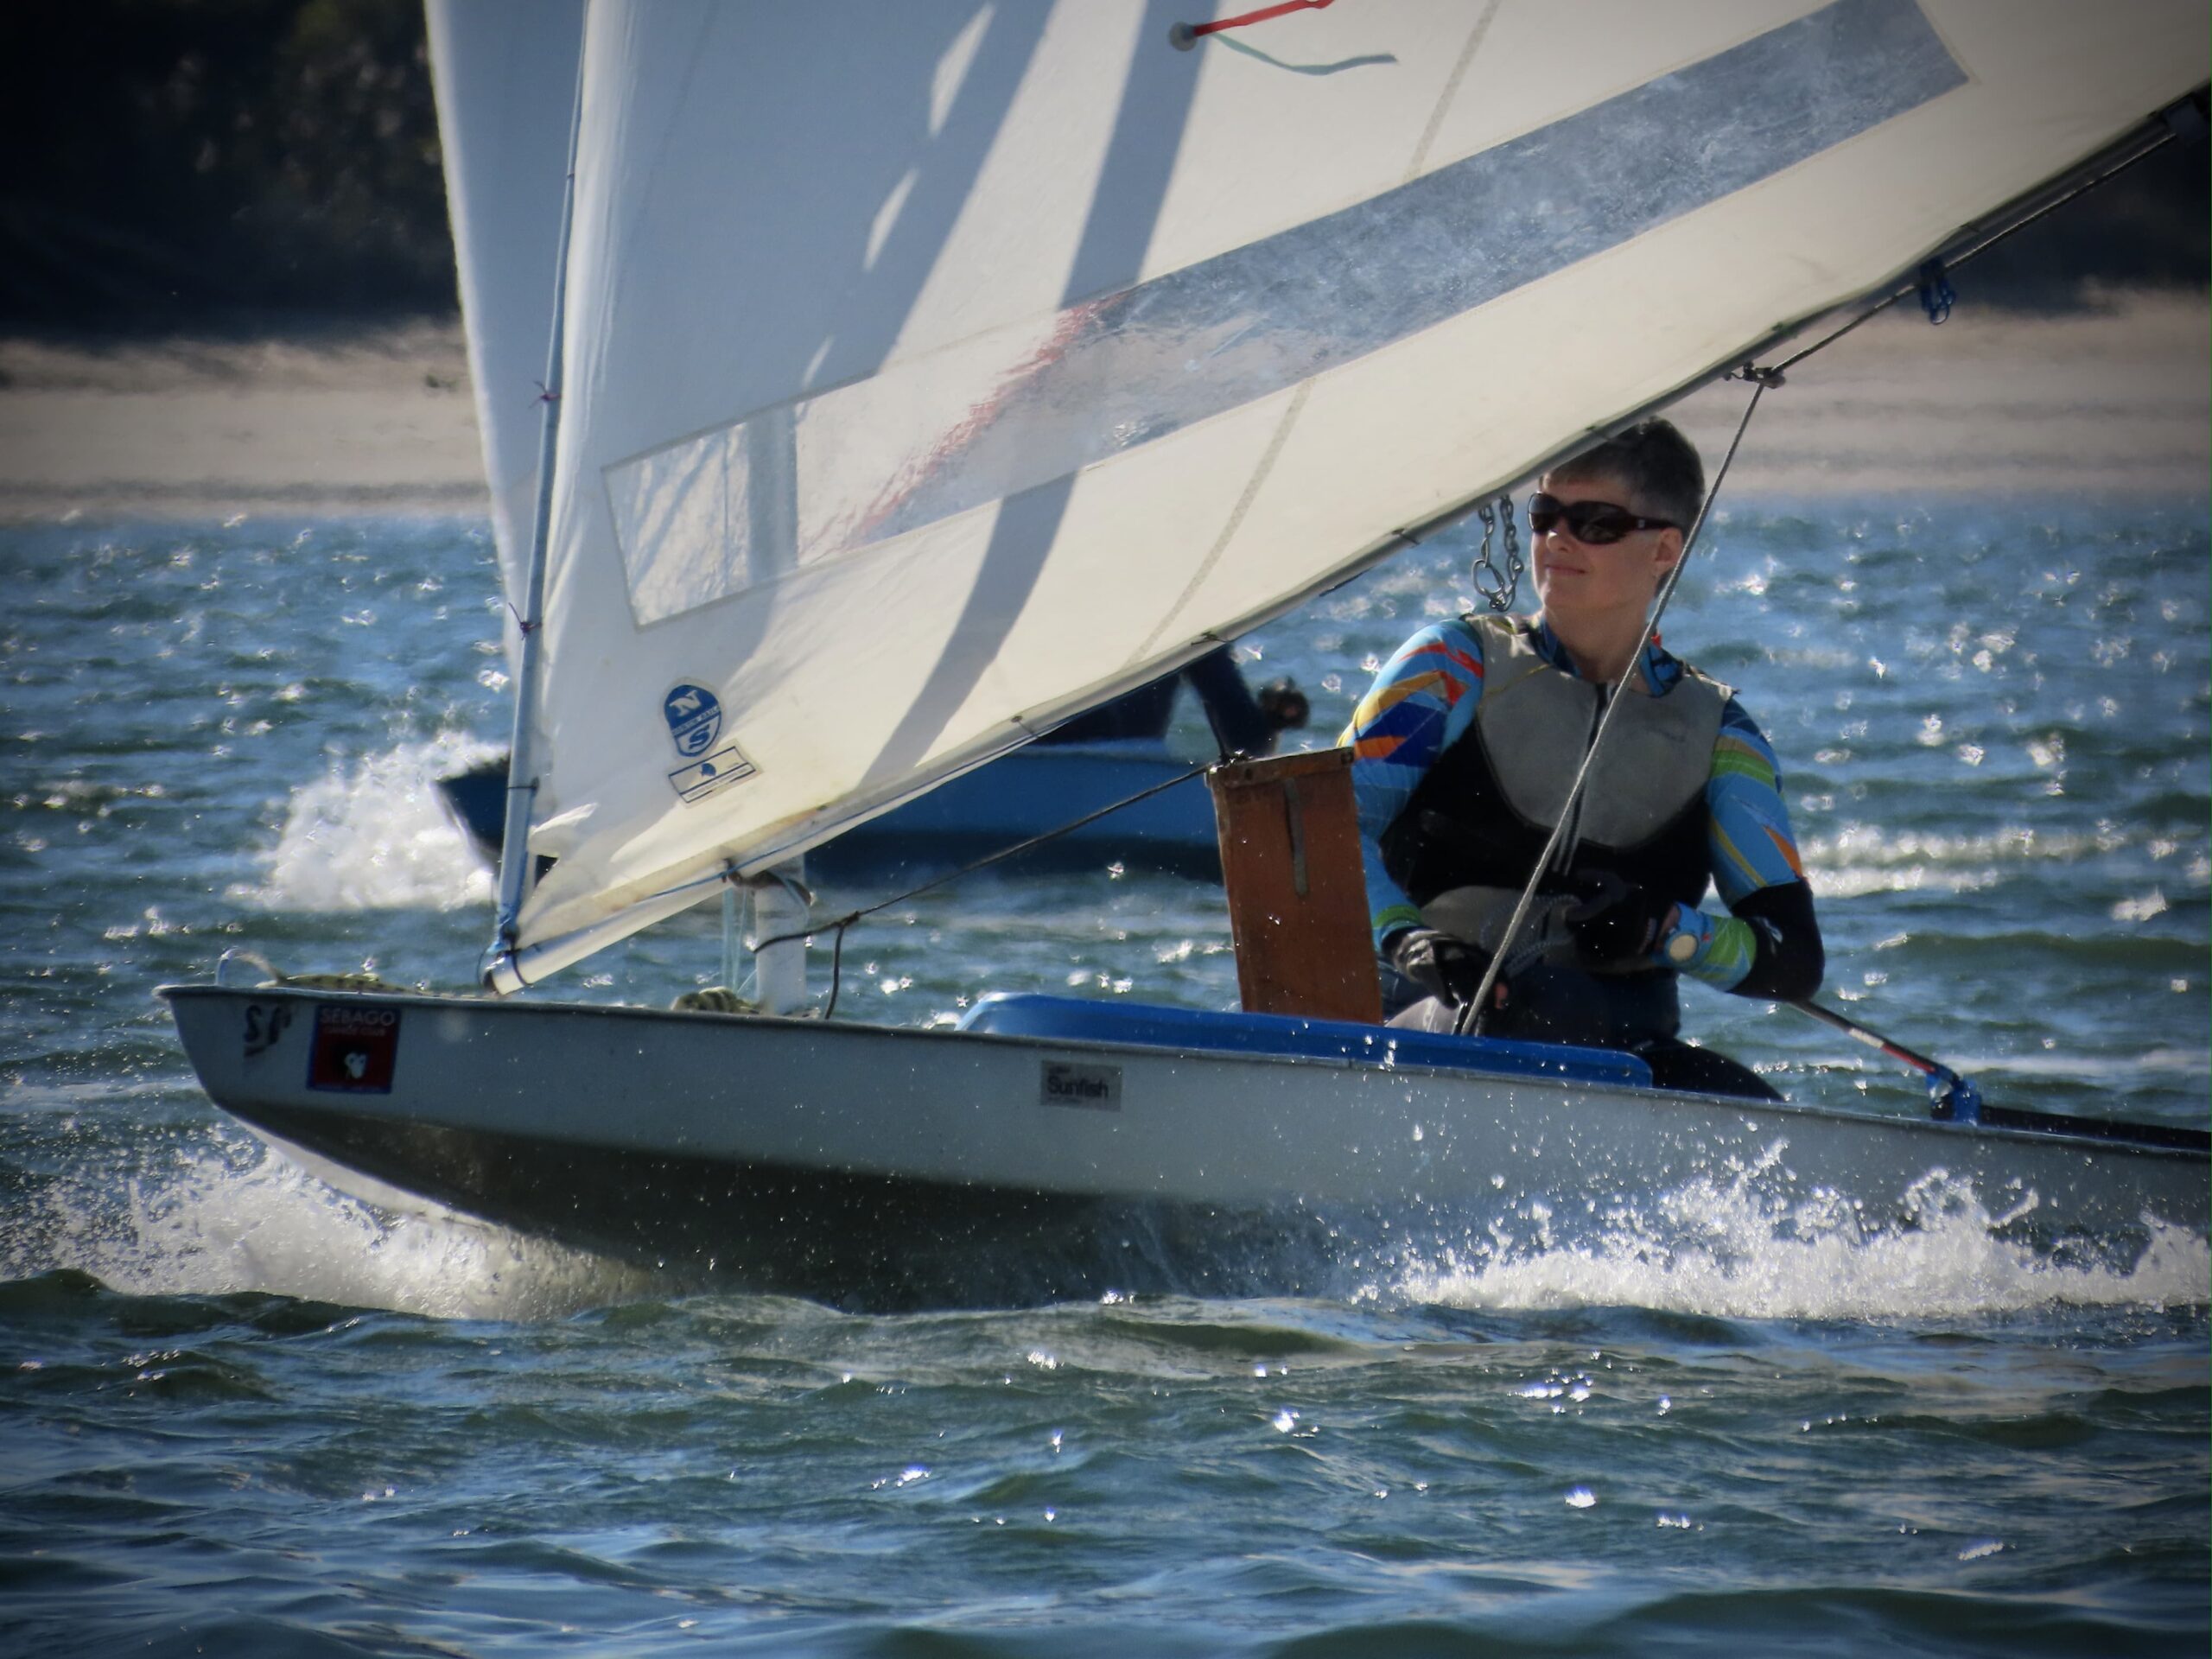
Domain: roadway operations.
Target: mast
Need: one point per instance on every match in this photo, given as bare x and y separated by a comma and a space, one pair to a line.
516, 867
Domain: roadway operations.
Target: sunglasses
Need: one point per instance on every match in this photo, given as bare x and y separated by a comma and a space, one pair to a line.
1596, 523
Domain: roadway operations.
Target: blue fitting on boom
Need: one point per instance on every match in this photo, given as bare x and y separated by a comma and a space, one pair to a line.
1957, 1100
1937, 296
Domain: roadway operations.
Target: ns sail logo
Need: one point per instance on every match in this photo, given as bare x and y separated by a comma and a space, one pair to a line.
694, 719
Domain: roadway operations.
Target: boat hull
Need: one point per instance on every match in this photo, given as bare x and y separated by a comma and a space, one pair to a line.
872, 1165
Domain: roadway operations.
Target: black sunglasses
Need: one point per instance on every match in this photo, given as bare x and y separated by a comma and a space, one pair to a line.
1596, 523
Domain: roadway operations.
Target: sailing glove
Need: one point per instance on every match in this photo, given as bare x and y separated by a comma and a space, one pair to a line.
1616, 924
1283, 703
1444, 967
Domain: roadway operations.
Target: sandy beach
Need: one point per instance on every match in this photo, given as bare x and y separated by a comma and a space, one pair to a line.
379, 422
2117, 399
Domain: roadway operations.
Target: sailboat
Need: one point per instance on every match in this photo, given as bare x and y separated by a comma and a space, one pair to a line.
917, 384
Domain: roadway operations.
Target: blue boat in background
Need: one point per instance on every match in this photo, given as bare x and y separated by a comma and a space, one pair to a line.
1016, 799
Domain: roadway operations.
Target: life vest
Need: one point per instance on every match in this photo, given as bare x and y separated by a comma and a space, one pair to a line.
1465, 843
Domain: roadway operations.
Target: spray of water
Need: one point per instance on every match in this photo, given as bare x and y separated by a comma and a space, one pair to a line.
376, 837
235, 1215
241, 1217
1721, 1249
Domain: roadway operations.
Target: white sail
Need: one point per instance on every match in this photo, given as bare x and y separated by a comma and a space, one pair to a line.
505, 75
935, 371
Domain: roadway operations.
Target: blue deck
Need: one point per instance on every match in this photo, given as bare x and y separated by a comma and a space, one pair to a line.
1148, 1026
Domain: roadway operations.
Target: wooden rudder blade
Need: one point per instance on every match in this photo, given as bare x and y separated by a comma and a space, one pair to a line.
1297, 891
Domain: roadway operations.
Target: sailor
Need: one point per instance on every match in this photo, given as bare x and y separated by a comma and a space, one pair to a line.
1464, 750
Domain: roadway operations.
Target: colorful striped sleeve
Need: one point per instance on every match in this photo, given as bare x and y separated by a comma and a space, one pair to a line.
1422, 702
1749, 843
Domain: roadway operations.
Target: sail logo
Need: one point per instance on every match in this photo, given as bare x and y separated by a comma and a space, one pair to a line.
694, 719
725, 765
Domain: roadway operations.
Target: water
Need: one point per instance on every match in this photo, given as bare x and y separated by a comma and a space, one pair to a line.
244, 1412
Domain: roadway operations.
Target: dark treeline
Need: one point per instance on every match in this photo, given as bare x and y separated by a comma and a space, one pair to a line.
208, 163
243, 165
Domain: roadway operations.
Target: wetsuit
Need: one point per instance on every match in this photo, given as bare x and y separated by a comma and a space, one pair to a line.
1455, 806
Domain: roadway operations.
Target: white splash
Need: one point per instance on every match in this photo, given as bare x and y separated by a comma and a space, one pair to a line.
1720, 1250
377, 836
255, 1221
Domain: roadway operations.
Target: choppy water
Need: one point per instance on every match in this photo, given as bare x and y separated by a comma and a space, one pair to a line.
243, 1413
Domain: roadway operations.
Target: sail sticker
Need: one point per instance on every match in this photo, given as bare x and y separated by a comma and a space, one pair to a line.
1094, 1088
1023, 405
725, 765
355, 1050
694, 719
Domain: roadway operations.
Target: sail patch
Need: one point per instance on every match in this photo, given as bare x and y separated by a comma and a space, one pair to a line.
960, 428
725, 766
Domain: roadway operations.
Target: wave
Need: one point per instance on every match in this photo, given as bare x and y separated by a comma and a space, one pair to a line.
1859, 859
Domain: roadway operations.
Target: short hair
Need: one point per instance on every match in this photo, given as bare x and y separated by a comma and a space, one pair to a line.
1657, 463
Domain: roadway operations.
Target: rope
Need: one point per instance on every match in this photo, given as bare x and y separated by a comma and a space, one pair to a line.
1469, 1022
837, 967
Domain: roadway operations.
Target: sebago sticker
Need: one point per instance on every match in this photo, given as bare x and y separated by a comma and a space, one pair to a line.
1097, 1088
356, 1046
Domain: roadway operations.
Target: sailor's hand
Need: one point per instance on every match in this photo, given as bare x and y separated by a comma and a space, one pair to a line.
1444, 967
1615, 924
1283, 703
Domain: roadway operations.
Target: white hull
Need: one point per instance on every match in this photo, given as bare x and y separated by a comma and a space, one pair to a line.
834, 1158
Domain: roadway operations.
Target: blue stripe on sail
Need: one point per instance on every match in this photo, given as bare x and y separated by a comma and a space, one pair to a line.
1127, 368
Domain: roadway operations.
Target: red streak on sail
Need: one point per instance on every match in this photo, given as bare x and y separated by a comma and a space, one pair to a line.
1067, 331
1183, 33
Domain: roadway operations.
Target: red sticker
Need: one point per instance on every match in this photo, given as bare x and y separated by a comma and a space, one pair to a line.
355, 1048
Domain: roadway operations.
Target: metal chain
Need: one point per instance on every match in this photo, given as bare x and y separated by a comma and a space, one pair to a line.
1513, 565
1498, 590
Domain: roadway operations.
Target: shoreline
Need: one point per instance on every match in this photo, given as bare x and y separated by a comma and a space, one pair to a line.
383, 421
